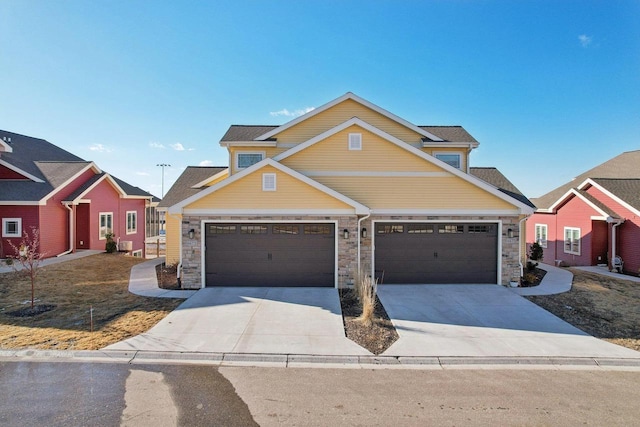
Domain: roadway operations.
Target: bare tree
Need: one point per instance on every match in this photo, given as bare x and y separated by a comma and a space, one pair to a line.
28, 257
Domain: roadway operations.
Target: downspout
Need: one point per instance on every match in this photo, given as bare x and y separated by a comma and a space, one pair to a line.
66, 205
359, 237
615, 223
520, 244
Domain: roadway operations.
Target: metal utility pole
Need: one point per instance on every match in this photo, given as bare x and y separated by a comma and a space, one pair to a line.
162, 165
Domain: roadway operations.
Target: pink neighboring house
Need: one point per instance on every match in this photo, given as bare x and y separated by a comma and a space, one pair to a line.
71, 201
594, 219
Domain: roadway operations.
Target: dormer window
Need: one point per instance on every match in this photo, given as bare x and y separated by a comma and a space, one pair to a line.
355, 141
245, 160
452, 159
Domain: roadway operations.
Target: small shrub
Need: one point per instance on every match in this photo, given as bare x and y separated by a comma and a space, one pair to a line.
530, 278
111, 246
531, 266
8, 261
536, 252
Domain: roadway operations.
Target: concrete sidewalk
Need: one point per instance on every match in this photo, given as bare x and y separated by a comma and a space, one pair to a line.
144, 282
556, 281
605, 272
54, 260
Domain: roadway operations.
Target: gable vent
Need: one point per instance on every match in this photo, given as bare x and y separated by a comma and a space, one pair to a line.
355, 141
268, 182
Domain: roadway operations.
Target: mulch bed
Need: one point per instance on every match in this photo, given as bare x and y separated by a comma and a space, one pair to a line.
538, 273
167, 276
30, 312
376, 338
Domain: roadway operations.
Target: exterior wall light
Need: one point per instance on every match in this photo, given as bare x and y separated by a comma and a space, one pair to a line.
364, 232
192, 233
345, 233
510, 233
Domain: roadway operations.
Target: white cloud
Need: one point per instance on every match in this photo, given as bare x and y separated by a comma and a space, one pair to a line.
585, 40
100, 148
177, 146
205, 163
156, 145
294, 113
143, 174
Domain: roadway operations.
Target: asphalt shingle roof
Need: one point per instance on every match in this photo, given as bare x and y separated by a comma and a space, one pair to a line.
251, 132
494, 177
626, 189
624, 166
47, 162
183, 187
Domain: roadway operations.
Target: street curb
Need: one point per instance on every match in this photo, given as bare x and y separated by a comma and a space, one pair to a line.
325, 361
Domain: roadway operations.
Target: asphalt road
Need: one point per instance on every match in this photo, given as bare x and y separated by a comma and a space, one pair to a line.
105, 394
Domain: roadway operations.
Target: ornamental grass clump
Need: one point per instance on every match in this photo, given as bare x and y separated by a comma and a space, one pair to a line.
366, 288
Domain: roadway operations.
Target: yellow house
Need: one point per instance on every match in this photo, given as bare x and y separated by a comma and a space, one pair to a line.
348, 187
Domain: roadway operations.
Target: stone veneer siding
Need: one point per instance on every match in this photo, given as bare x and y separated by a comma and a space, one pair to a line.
347, 248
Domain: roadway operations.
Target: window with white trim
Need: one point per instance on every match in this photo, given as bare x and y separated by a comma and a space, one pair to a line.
132, 222
572, 240
452, 159
11, 227
268, 182
106, 224
245, 159
541, 235
355, 141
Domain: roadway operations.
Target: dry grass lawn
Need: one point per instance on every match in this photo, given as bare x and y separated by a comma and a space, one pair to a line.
605, 307
99, 281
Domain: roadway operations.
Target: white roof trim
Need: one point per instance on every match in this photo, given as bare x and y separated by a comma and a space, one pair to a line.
357, 99
95, 184
91, 165
358, 122
359, 208
6, 147
211, 178
589, 181
573, 192
249, 143
20, 171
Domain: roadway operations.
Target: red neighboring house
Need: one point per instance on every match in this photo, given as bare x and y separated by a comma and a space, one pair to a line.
71, 201
594, 218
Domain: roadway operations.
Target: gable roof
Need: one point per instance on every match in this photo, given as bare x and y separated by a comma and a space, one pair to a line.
358, 207
623, 166
247, 133
48, 168
509, 196
26, 151
356, 98
627, 190
183, 188
494, 177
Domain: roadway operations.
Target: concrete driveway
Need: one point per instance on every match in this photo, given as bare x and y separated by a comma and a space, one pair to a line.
252, 320
482, 321
431, 320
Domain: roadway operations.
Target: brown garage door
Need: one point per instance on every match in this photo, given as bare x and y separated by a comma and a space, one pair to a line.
258, 254
436, 252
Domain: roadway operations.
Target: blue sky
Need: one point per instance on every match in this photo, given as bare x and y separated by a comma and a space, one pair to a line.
549, 88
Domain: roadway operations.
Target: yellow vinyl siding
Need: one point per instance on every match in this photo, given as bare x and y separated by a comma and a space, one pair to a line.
415, 193
172, 238
377, 154
247, 194
340, 113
